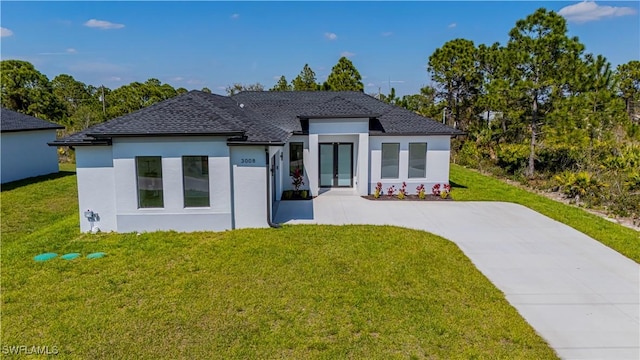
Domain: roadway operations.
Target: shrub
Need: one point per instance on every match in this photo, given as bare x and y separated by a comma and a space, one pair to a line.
402, 193
378, 190
421, 192
445, 191
582, 185
513, 157
435, 190
391, 190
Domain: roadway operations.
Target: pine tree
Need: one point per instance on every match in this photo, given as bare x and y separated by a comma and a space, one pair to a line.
306, 80
344, 76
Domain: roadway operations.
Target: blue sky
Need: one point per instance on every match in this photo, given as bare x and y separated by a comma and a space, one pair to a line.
214, 44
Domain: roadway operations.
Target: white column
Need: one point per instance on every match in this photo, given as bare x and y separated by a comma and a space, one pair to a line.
311, 164
363, 164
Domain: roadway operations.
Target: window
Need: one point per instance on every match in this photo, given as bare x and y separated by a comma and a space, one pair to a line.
417, 160
195, 181
149, 176
295, 157
390, 161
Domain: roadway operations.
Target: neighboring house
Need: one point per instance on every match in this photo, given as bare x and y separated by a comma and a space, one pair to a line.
201, 161
24, 150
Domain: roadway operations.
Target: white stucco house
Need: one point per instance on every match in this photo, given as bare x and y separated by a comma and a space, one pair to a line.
24, 152
201, 161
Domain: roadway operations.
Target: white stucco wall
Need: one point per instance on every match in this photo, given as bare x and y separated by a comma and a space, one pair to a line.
437, 158
25, 154
338, 126
249, 189
96, 187
111, 189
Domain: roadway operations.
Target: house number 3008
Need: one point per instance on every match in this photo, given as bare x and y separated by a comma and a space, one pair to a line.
247, 161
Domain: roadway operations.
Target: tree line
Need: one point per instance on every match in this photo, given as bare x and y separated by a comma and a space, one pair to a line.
541, 110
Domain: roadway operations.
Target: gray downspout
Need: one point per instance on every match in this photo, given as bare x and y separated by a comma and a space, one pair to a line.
273, 225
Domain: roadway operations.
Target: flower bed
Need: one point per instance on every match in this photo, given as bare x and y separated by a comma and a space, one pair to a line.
438, 193
408, 198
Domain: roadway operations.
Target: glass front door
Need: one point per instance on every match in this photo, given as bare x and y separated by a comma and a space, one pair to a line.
336, 165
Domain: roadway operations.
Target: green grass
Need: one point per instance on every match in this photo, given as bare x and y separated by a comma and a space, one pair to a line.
470, 185
297, 292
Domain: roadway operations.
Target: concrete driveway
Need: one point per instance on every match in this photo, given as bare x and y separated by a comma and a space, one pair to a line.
580, 295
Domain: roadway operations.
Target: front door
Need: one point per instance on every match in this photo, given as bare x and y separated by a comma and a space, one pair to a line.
336, 164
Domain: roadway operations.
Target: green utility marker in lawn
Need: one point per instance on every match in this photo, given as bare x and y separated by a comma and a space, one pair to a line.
45, 257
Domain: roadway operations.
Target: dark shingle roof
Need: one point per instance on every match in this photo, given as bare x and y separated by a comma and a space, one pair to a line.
286, 107
257, 116
192, 113
12, 121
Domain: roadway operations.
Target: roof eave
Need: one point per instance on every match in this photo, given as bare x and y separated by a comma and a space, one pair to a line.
32, 129
338, 116
190, 133
430, 133
256, 143
104, 142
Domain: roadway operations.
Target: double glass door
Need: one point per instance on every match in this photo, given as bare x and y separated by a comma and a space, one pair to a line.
336, 164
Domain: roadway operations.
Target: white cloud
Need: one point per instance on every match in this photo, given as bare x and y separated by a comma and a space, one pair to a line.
330, 36
371, 84
347, 54
114, 78
452, 25
177, 78
102, 24
72, 51
235, 16
397, 81
387, 33
4, 32
590, 11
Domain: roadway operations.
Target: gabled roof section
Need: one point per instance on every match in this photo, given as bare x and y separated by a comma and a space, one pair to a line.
195, 113
336, 107
13, 121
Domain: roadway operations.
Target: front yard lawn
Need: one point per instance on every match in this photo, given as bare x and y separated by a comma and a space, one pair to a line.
296, 292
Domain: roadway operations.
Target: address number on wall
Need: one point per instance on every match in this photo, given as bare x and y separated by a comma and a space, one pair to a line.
247, 161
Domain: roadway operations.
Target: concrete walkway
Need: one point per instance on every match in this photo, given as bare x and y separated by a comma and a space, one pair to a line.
580, 295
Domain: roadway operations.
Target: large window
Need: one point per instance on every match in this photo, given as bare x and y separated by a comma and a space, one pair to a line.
417, 160
390, 161
195, 181
295, 157
149, 177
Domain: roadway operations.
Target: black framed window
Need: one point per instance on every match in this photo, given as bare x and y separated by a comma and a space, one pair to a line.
390, 161
417, 160
295, 157
149, 181
195, 181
